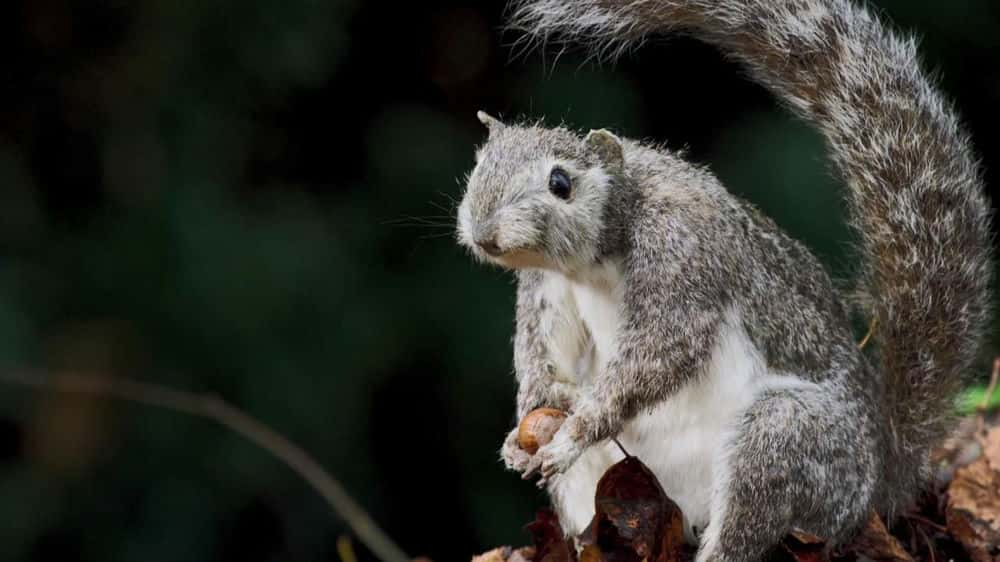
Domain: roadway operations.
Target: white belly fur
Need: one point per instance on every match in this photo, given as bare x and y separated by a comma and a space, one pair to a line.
679, 439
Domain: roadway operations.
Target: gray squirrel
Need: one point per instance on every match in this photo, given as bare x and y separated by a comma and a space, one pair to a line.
661, 310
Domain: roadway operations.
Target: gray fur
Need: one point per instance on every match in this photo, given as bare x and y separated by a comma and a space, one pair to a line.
857, 439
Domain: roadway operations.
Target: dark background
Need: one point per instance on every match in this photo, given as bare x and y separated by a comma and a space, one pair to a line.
252, 199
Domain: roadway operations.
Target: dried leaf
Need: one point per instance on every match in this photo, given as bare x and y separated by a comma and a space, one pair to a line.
973, 511
591, 553
807, 549
958, 450
550, 543
634, 519
991, 448
523, 554
496, 555
806, 538
876, 543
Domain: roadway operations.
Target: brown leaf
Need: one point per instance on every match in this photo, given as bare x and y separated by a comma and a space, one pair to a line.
973, 511
876, 543
500, 554
991, 447
634, 519
591, 553
806, 538
550, 543
958, 450
506, 554
803, 547
802, 551
523, 554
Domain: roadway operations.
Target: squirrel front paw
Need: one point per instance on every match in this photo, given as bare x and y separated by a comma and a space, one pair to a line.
514, 457
556, 457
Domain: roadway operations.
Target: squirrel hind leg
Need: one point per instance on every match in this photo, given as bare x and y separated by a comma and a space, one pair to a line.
797, 461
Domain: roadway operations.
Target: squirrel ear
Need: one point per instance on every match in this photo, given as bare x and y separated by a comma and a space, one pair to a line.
607, 147
492, 123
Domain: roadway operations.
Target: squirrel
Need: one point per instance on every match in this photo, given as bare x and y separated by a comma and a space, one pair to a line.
661, 310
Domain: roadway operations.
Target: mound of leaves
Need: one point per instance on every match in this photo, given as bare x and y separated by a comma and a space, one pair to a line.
636, 522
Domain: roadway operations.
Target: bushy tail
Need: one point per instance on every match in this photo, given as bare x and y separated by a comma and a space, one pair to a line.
915, 198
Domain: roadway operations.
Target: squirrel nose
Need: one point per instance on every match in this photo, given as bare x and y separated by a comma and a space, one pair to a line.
489, 245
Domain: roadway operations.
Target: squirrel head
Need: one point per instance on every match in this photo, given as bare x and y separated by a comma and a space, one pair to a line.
536, 197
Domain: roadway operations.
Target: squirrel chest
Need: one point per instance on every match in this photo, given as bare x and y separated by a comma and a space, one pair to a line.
681, 437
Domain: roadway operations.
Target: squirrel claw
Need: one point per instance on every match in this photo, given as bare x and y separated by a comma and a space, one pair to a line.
557, 456
534, 465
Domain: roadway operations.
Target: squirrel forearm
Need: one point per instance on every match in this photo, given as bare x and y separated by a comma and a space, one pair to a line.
535, 368
667, 336
543, 392
635, 380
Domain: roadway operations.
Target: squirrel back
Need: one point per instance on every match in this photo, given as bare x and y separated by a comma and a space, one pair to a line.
915, 191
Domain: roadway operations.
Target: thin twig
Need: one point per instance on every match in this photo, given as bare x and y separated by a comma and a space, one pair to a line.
988, 395
619, 443
868, 336
927, 541
345, 550
926, 521
214, 408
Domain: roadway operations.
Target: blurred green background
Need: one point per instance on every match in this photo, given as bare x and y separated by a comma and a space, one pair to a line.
252, 199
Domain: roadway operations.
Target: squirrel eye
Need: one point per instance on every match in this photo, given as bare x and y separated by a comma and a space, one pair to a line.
560, 184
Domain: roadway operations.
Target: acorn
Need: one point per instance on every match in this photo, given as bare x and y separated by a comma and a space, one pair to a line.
538, 427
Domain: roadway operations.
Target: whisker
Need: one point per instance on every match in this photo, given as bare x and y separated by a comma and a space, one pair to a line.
430, 220
449, 197
442, 208
437, 235
446, 227
426, 227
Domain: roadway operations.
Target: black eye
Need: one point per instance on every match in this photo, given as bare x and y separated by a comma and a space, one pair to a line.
560, 184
